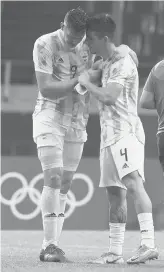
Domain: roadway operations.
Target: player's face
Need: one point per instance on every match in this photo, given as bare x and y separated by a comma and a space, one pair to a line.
96, 44
71, 36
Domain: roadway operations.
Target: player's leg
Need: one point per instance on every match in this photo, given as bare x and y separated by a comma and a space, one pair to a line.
160, 145
117, 218
66, 184
71, 158
130, 168
117, 208
49, 138
143, 206
52, 166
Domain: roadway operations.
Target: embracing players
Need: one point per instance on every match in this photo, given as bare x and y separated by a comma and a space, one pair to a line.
122, 142
60, 119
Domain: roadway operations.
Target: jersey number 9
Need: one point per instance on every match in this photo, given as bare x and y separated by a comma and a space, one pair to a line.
73, 70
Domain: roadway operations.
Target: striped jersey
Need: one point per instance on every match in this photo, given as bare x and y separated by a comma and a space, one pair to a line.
122, 118
52, 55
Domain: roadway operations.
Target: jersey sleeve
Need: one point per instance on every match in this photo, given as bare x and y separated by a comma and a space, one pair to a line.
42, 57
119, 71
150, 82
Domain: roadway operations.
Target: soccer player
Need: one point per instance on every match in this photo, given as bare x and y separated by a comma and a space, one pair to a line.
153, 98
122, 142
60, 119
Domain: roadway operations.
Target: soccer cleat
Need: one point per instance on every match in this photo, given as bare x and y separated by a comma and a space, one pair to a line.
52, 253
109, 258
144, 254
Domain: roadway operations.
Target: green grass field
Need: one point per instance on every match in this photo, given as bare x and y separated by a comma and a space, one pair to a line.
20, 251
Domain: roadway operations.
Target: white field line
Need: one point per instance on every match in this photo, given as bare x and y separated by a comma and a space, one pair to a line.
81, 247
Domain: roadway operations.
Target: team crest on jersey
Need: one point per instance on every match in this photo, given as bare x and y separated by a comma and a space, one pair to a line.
73, 70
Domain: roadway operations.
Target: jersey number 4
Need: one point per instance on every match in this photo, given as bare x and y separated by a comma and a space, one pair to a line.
124, 153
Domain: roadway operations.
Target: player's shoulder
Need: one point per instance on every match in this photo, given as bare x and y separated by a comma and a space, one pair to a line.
129, 65
158, 70
127, 61
48, 40
123, 63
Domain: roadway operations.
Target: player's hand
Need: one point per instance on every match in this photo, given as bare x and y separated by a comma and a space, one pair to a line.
84, 78
122, 51
95, 76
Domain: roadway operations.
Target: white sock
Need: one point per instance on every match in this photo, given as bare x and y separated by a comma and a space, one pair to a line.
50, 208
147, 229
61, 217
116, 237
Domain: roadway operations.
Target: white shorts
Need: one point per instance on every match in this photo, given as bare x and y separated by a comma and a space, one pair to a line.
44, 123
120, 159
58, 146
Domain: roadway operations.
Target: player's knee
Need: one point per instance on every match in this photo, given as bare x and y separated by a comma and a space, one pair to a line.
53, 177
116, 196
133, 182
66, 181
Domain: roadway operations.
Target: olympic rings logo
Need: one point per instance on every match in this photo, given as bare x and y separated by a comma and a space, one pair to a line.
28, 189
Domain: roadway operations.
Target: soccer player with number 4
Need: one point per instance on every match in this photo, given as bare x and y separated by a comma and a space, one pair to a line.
122, 142
60, 118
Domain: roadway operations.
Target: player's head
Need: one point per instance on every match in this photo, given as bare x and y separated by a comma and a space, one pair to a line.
74, 26
100, 31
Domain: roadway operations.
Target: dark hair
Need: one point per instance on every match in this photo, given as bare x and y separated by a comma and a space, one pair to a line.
102, 24
76, 18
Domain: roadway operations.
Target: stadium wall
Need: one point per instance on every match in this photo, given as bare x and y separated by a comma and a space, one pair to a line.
87, 208
20, 207
145, 35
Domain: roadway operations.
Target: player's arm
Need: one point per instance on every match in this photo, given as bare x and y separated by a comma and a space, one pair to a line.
147, 100
53, 88
115, 84
49, 85
108, 95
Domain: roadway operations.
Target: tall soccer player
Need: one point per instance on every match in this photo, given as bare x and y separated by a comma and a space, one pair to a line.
60, 119
153, 98
122, 142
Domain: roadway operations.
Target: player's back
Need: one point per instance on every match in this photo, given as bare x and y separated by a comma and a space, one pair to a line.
158, 82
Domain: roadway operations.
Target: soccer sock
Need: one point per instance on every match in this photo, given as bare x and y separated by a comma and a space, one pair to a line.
116, 237
147, 229
50, 208
61, 217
